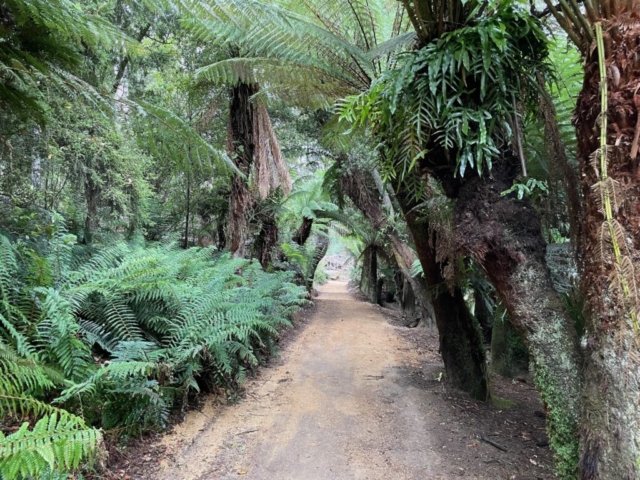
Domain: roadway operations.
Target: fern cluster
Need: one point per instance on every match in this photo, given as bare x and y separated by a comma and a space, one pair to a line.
114, 340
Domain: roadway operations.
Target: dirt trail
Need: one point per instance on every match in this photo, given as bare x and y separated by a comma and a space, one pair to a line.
338, 406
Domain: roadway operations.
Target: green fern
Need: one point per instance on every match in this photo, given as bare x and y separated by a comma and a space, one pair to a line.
169, 322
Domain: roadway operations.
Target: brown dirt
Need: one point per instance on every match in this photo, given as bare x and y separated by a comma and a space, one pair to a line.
354, 396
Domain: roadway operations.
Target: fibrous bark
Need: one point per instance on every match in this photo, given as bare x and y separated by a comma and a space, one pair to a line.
266, 240
503, 235
369, 275
610, 437
322, 245
241, 149
461, 344
302, 234
483, 315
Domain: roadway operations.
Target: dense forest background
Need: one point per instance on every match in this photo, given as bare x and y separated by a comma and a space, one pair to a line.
172, 173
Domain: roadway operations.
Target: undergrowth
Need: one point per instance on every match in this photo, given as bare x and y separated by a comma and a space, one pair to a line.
111, 341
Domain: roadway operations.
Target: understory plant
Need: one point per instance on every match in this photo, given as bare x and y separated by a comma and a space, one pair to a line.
111, 341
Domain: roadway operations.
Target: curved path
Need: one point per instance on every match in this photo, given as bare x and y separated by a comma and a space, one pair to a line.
335, 408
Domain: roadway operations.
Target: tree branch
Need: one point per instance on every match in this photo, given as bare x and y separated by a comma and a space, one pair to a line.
122, 66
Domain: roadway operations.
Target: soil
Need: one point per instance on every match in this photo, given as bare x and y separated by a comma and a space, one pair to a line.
354, 395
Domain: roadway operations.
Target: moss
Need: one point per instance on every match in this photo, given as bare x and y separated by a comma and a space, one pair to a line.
562, 421
502, 403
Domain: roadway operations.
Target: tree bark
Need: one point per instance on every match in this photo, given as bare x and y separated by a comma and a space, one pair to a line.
320, 251
461, 344
405, 257
610, 437
483, 316
188, 208
369, 276
241, 149
303, 232
266, 241
360, 188
92, 193
503, 235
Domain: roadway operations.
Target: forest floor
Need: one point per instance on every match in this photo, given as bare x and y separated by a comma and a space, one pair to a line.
353, 395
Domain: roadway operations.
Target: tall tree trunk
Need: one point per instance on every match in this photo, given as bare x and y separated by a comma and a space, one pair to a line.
610, 437
188, 208
241, 149
369, 276
503, 235
92, 192
267, 240
461, 344
360, 187
303, 232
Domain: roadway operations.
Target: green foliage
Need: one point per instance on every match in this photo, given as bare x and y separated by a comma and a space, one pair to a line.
120, 338
42, 41
530, 187
307, 53
456, 95
56, 442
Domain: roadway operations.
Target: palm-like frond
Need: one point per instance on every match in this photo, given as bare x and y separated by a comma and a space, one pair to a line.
40, 41
328, 42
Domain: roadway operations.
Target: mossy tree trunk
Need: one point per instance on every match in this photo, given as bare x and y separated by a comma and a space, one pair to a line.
610, 437
461, 344
503, 235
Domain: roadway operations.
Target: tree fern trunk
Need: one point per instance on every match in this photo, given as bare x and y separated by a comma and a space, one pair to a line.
610, 440
241, 149
188, 213
483, 315
267, 240
360, 187
92, 195
303, 232
504, 236
461, 344
423, 311
320, 251
369, 277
